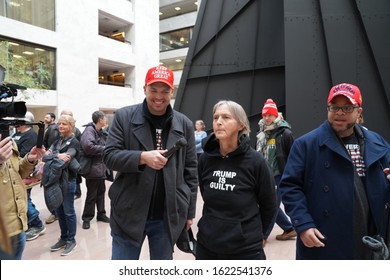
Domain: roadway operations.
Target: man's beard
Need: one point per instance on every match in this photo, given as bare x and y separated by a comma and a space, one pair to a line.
339, 129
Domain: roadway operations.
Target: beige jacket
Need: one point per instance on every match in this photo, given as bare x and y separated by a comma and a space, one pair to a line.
13, 192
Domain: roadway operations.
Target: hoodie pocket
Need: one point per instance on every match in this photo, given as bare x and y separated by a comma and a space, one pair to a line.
220, 235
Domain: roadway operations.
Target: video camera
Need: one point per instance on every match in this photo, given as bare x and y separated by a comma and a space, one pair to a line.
10, 109
13, 113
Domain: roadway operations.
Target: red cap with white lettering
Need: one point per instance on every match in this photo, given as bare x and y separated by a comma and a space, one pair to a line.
159, 74
350, 91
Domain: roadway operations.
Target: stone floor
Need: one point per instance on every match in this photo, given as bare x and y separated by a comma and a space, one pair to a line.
95, 243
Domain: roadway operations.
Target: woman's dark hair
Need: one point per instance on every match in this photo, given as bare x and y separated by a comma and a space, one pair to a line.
97, 115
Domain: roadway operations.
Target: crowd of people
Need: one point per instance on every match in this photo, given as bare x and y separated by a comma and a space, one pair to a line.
334, 181
56, 161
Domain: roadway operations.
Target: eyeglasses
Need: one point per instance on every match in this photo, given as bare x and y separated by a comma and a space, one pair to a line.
345, 109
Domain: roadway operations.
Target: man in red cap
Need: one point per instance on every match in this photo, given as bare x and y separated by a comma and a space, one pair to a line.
333, 187
274, 141
153, 195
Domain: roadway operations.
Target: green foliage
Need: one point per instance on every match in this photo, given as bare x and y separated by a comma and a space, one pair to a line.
20, 70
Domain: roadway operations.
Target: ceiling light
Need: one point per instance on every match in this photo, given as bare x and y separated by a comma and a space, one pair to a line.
177, 8
14, 44
160, 13
28, 53
38, 49
178, 60
196, 3
14, 4
17, 56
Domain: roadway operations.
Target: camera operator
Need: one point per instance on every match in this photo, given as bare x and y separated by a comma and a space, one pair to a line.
14, 196
25, 136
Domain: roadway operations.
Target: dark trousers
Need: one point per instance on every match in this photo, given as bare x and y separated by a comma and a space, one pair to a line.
78, 187
280, 217
67, 215
32, 212
96, 189
203, 253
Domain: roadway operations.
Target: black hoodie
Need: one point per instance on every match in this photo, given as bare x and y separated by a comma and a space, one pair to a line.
239, 197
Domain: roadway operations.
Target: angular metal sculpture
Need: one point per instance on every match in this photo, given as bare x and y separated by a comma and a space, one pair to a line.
292, 51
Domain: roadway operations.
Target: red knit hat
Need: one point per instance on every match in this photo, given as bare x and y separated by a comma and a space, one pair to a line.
270, 108
350, 91
159, 74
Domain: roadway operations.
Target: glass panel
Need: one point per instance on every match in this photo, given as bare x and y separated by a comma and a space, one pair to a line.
174, 65
115, 79
177, 39
114, 28
36, 12
28, 65
177, 9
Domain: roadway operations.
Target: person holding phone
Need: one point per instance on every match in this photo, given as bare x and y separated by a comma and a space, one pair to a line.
13, 192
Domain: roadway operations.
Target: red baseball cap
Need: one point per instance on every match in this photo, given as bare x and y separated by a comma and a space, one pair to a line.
350, 91
159, 74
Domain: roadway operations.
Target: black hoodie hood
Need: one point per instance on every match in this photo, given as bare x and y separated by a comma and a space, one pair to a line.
211, 146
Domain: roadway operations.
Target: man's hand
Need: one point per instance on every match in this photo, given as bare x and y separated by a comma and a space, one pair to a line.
36, 154
189, 223
5, 149
312, 238
154, 159
387, 171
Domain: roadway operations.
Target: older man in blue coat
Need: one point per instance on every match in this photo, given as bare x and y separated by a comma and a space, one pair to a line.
334, 186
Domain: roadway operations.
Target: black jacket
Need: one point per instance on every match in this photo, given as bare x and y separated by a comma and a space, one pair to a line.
284, 141
93, 143
131, 192
70, 146
55, 177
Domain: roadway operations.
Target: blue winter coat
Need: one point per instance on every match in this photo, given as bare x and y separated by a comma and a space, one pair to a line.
317, 189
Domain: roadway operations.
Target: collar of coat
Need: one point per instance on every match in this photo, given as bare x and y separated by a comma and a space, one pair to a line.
374, 145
